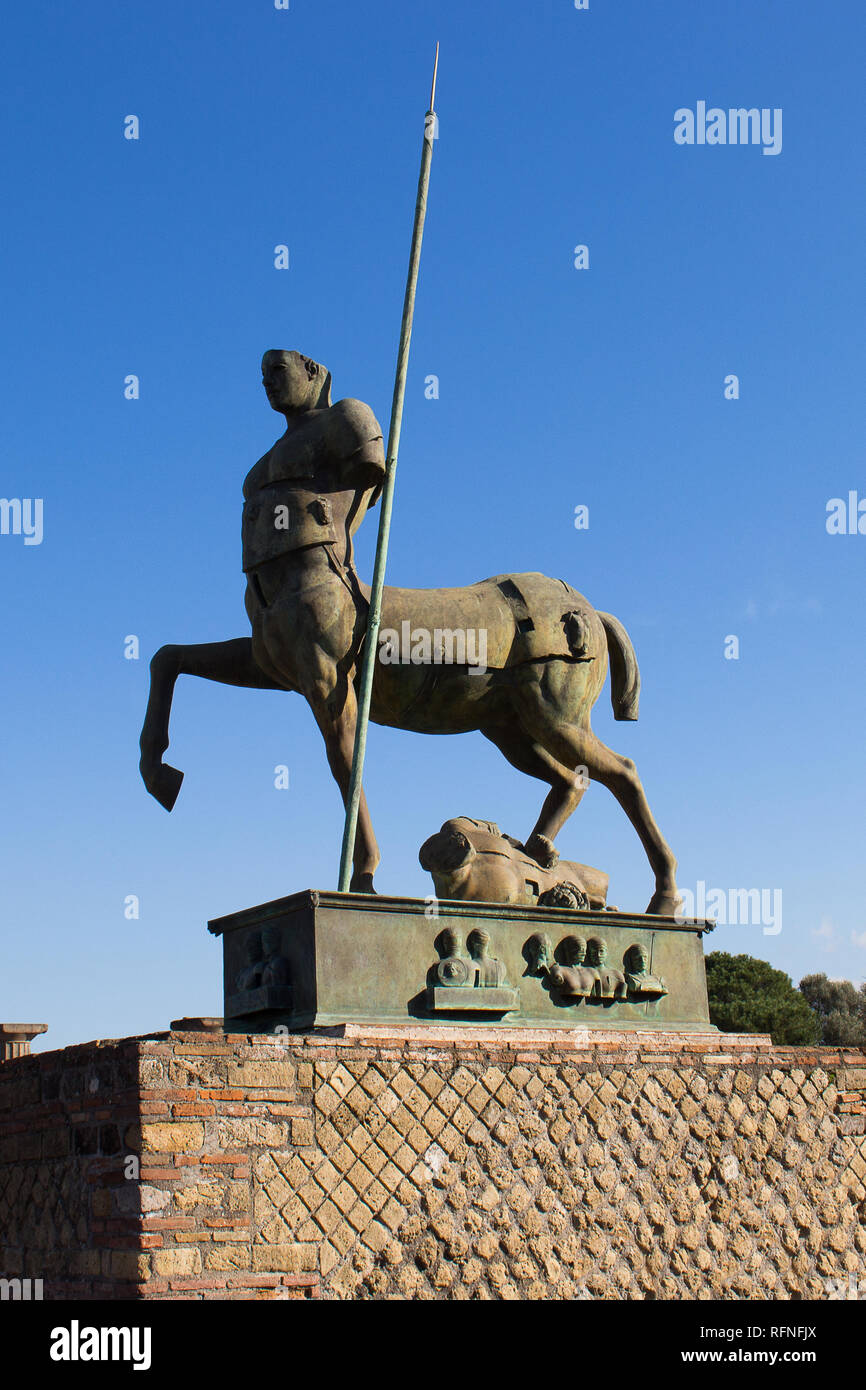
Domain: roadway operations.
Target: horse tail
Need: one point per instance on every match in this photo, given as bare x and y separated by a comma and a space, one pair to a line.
624, 673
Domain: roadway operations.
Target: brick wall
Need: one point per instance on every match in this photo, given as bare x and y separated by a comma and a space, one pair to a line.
434, 1164
62, 1121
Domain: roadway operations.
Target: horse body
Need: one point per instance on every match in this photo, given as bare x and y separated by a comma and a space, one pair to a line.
453, 660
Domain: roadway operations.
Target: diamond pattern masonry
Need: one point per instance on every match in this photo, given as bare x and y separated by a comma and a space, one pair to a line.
399, 1168
562, 1181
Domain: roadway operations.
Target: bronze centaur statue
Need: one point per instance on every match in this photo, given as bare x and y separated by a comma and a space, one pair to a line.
521, 658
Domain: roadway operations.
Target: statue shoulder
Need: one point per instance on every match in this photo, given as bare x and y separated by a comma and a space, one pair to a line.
351, 425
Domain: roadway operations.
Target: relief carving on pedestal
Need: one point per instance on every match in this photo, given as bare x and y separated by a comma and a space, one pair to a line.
637, 976
579, 970
473, 983
264, 980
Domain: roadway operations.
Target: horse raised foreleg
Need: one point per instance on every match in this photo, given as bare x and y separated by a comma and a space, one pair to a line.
230, 663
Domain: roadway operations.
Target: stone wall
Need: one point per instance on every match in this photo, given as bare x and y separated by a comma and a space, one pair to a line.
434, 1163
63, 1117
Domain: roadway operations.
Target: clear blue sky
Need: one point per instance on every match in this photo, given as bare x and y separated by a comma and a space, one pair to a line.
558, 387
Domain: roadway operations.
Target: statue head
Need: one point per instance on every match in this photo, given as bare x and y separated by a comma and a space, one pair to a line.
596, 951
294, 383
539, 951
636, 959
478, 942
574, 950
253, 947
451, 941
446, 852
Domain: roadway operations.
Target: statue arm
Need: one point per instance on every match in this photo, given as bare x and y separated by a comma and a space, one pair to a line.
366, 466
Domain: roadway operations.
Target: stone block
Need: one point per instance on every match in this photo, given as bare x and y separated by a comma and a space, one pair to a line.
286, 1258
125, 1265
172, 1137
277, 1075
228, 1257
183, 1261
303, 1132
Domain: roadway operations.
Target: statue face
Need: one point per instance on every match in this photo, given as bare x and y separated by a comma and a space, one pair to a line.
575, 950
287, 384
541, 952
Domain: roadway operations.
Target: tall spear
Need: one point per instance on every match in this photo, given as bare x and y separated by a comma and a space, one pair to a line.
375, 615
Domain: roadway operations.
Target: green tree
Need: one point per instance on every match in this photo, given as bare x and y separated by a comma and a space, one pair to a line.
749, 996
840, 1007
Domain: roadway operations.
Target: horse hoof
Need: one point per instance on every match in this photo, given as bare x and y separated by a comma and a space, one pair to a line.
542, 850
362, 883
164, 784
665, 905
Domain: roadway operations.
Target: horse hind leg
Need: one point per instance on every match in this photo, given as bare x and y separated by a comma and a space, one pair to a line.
576, 746
230, 663
566, 787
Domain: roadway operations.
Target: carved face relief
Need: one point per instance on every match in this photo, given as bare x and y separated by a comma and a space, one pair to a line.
540, 952
637, 959
574, 950
596, 951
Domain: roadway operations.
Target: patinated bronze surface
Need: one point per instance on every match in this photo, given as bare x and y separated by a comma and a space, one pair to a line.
264, 979
468, 984
472, 861
579, 969
528, 686
373, 959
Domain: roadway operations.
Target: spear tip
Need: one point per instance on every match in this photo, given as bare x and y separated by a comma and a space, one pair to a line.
435, 70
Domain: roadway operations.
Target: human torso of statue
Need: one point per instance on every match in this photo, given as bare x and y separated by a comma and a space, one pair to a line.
314, 486
490, 970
